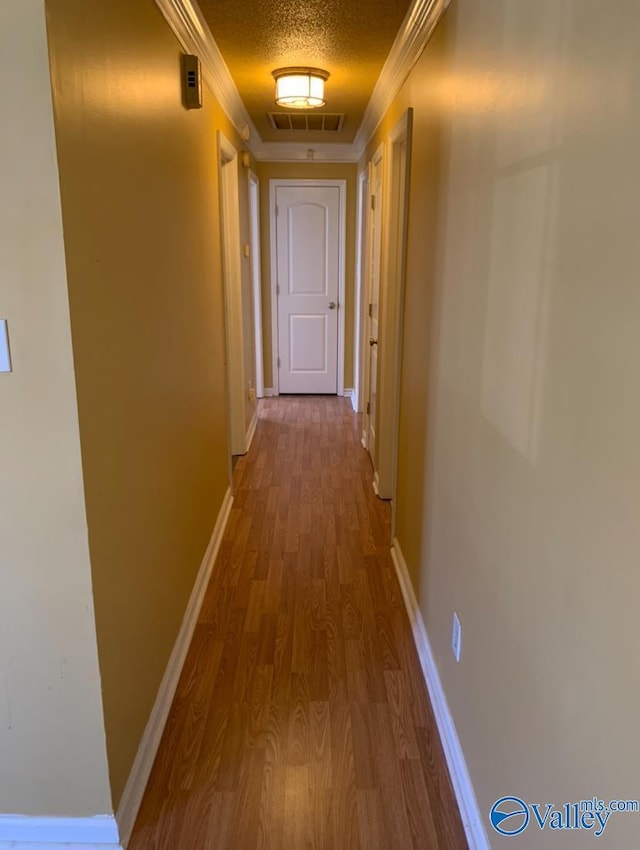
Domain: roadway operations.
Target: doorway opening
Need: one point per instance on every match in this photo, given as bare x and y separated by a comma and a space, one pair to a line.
308, 285
232, 280
256, 278
382, 306
371, 307
361, 317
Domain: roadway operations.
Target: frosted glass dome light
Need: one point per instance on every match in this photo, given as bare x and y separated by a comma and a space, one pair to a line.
300, 88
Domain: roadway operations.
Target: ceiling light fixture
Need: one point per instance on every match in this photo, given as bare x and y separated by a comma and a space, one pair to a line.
300, 88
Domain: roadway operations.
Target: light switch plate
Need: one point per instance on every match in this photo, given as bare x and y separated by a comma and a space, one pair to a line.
5, 354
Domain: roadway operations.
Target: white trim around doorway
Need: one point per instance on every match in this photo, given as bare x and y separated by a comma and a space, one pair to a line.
256, 281
362, 343
360, 317
232, 284
395, 226
341, 185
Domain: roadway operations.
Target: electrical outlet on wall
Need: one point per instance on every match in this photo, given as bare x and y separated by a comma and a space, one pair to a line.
456, 637
252, 393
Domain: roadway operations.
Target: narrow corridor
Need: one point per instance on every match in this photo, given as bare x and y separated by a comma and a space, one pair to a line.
301, 719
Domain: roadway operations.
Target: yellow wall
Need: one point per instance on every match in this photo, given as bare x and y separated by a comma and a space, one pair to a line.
52, 745
140, 203
519, 479
308, 171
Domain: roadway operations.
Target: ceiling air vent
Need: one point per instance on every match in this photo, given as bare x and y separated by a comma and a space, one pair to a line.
325, 122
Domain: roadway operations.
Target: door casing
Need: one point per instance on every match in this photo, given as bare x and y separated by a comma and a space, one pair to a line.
232, 284
274, 183
395, 228
368, 246
256, 278
360, 318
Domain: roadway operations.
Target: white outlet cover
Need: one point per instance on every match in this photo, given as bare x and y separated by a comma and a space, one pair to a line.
456, 637
5, 354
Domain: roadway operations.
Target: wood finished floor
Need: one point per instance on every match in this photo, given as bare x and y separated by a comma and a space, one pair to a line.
301, 721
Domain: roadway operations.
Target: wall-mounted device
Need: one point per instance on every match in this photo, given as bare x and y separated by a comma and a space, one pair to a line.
191, 82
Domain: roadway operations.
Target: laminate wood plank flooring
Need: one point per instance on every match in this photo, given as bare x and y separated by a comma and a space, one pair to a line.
301, 720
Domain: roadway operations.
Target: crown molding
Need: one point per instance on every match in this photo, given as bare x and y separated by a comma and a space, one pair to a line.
412, 38
192, 31
299, 152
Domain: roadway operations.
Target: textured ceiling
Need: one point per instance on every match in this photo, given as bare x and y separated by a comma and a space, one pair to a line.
348, 38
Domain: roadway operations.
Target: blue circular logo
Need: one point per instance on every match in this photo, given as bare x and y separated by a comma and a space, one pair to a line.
509, 816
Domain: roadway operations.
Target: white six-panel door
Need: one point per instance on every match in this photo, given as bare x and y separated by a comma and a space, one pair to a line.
308, 245
375, 259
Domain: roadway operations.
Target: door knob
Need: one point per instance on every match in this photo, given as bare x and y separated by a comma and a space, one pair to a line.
332, 305
372, 341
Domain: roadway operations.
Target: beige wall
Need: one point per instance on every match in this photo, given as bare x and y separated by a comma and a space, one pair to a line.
308, 171
52, 746
518, 504
140, 202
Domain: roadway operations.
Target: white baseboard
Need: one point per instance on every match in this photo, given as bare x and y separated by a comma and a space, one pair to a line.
57, 845
350, 393
139, 776
465, 795
251, 430
109, 832
34, 833
269, 392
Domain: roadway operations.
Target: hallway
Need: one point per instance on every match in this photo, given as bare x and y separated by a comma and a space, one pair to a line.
301, 719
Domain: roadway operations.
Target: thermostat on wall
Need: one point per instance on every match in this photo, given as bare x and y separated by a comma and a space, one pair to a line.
191, 82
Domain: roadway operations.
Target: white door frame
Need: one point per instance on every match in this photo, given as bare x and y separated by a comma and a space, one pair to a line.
395, 216
378, 157
360, 317
256, 278
232, 284
341, 185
